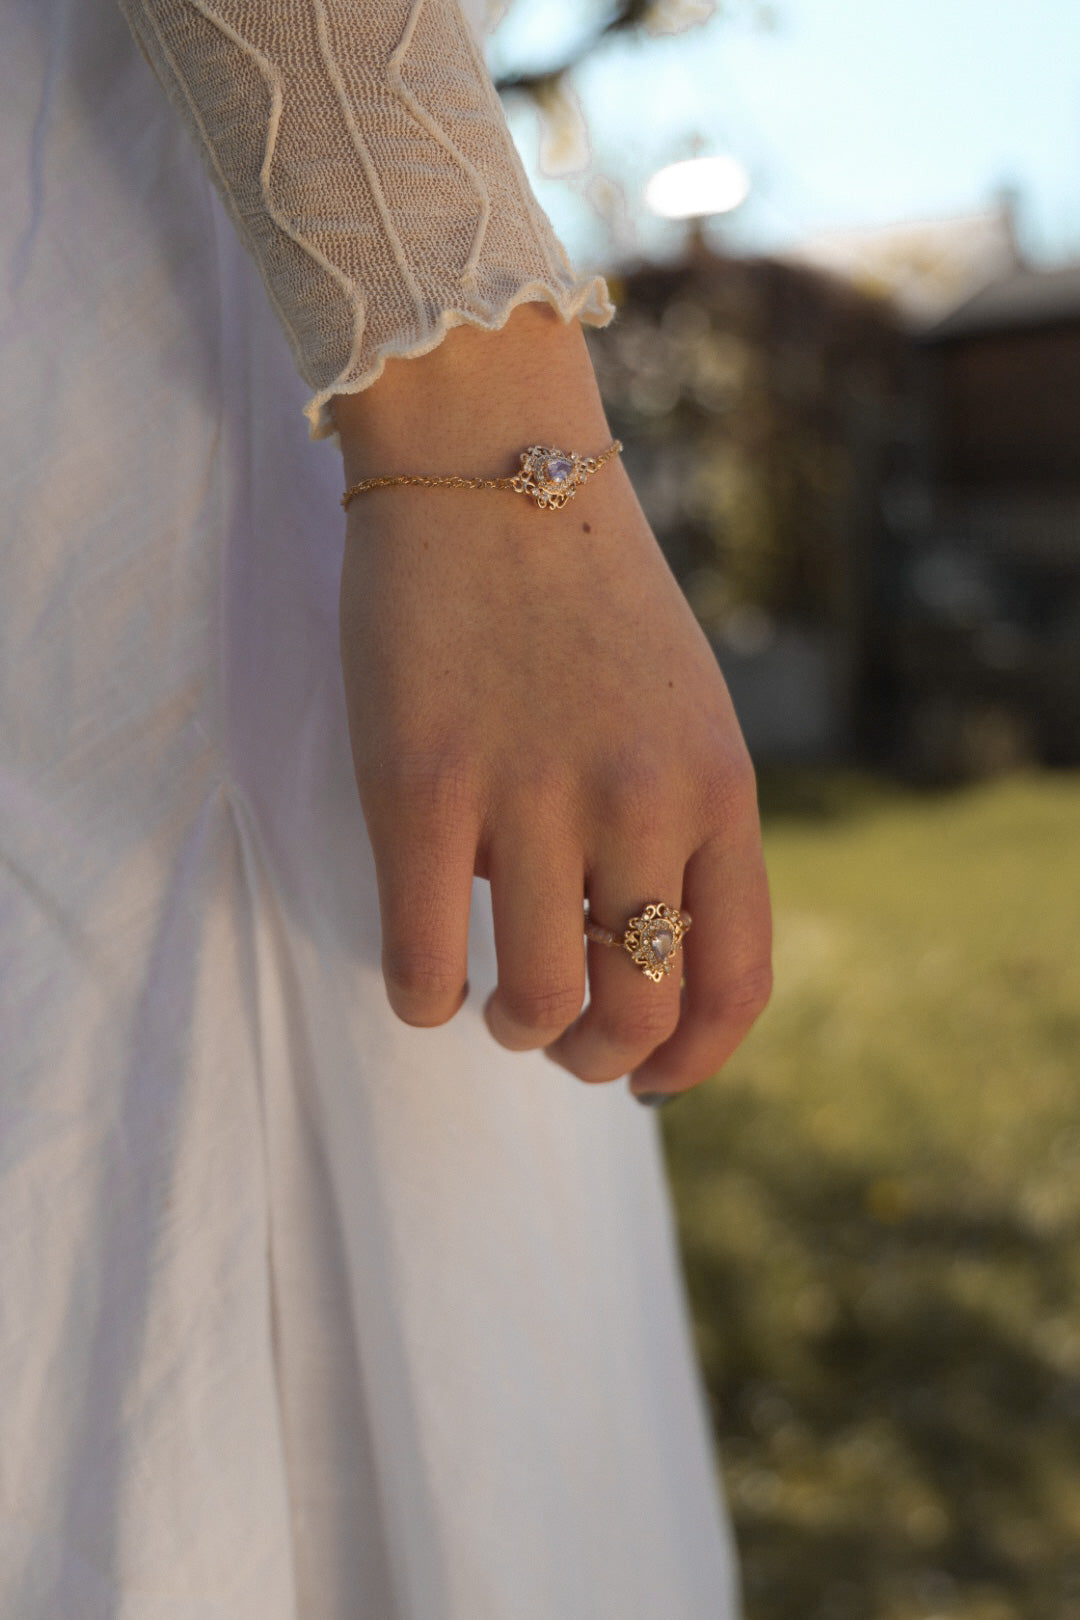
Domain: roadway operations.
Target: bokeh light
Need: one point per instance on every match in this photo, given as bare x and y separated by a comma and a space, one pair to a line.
698, 187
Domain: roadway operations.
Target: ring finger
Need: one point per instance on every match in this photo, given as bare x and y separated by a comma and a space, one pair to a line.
628, 1015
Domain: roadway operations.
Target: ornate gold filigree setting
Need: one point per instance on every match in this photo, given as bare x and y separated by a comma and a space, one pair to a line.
651, 940
552, 476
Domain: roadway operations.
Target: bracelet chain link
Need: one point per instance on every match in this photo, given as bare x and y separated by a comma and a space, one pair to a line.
549, 476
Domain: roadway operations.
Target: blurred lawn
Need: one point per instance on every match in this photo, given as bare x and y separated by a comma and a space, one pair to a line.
879, 1201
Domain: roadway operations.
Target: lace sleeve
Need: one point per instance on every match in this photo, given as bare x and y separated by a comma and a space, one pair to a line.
362, 153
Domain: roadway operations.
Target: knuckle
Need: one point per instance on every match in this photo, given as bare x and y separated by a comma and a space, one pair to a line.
729, 789
424, 986
745, 998
602, 1076
596, 1071
585, 1066
541, 1009
543, 794
437, 782
637, 798
641, 1027
753, 990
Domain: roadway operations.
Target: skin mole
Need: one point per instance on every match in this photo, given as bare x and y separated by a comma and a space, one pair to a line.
587, 527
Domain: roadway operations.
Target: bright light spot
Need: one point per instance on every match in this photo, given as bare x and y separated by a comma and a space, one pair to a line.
704, 185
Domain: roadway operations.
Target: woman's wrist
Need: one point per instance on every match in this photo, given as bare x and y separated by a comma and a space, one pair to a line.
476, 400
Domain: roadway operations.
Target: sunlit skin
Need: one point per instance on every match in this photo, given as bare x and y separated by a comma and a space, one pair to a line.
531, 700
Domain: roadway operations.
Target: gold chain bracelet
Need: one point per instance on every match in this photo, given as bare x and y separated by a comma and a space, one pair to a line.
548, 476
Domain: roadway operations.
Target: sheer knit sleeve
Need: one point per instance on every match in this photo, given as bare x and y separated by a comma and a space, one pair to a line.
363, 156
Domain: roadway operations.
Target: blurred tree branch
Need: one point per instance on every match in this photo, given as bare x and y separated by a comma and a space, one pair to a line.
654, 17
625, 16
564, 138
550, 87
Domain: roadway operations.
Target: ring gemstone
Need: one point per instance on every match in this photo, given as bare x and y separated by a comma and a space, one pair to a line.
653, 939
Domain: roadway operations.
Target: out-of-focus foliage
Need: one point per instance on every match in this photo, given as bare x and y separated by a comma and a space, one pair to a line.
753, 397
879, 1204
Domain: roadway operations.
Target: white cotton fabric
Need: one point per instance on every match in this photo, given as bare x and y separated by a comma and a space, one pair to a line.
362, 154
304, 1315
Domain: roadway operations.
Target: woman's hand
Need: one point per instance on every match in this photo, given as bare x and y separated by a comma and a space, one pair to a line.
531, 700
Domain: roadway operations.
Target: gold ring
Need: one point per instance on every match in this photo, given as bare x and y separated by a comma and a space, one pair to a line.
651, 940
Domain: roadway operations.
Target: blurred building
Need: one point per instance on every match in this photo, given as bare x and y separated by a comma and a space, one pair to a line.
873, 507
755, 399
924, 268
983, 629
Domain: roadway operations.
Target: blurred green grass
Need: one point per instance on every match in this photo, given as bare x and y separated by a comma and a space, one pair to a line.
879, 1205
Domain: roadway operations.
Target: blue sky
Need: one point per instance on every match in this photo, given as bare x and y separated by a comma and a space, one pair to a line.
846, 112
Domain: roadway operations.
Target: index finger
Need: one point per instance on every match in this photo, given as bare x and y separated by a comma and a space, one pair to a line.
424, 844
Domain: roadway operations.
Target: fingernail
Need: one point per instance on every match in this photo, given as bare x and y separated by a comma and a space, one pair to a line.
654, 1099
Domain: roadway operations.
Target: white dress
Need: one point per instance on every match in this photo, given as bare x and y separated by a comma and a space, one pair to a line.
304, 1314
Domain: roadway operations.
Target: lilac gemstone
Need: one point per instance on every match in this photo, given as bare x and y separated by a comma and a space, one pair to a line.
558, 469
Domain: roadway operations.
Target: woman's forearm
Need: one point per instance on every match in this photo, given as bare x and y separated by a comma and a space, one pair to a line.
472, 403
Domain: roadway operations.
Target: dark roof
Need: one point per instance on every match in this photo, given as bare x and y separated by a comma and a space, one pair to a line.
1028, 299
